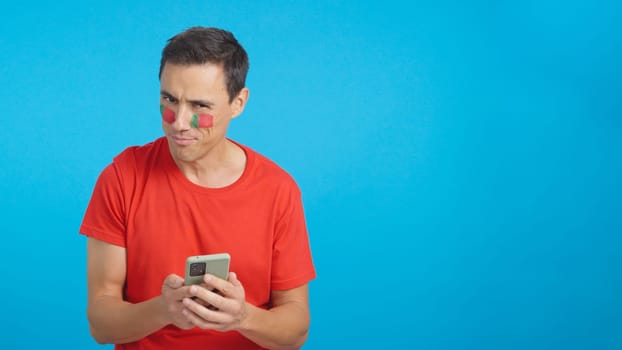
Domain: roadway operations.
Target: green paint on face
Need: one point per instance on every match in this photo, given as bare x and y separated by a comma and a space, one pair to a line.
195, 121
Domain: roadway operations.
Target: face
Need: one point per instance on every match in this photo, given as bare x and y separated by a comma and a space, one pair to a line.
196, 110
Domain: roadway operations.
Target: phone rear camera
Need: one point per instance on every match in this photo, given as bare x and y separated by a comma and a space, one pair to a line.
197, 269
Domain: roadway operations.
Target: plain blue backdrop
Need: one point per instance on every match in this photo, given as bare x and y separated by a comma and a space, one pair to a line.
460, 162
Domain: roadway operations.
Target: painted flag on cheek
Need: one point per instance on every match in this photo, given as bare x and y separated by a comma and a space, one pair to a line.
202, 121
167, 114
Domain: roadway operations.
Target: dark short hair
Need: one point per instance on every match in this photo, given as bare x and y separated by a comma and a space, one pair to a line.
200, 45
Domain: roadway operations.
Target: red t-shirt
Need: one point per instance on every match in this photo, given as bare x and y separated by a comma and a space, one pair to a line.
144, 203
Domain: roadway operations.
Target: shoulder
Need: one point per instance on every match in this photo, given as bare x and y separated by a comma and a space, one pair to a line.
134, 157
134, 164
268, 171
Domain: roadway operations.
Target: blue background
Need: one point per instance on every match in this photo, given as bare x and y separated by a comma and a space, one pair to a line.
460, 162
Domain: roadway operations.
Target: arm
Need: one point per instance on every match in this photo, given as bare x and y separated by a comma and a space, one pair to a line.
113, 320
283, 326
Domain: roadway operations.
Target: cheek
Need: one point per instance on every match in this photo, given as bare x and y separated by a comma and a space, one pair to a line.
167, 114
202, 121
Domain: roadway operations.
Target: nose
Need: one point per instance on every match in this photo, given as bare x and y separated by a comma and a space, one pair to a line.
182, 119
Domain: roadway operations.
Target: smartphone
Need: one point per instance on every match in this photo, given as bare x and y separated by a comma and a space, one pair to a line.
199, 265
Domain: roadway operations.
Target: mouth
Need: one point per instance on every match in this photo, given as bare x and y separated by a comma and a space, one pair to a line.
182, 140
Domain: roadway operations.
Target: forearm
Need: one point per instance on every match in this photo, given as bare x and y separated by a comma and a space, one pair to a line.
282, 327
116, 321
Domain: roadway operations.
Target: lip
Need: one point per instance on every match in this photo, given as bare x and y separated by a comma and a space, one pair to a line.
183, 141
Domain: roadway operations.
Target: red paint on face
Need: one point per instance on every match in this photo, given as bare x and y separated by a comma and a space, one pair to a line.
206, 120
168, 115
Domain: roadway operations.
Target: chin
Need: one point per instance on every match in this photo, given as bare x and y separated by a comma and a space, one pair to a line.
181, 153
184, 155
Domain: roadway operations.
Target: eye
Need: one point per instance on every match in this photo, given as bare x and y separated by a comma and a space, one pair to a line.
169, 99
202, 106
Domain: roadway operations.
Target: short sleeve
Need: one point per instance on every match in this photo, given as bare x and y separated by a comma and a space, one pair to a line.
104, 218
292, 265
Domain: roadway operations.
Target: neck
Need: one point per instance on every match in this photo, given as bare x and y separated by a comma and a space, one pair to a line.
220, 167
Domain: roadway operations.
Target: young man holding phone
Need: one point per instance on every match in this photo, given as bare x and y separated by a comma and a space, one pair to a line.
195, 192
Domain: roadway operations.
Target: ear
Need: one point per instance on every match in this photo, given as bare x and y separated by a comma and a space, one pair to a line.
239, 102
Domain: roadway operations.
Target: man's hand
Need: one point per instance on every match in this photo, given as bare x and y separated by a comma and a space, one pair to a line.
227, 299
173, 293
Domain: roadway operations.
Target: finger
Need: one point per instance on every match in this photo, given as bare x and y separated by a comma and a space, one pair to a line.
197, 321
180, 293
204, 317
233, 278
209, 298
225, 287
173, 281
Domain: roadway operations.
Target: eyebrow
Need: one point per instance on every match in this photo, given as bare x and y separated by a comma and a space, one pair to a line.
167, 94
202, 102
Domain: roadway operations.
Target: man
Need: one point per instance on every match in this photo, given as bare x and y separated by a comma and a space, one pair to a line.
196, 192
